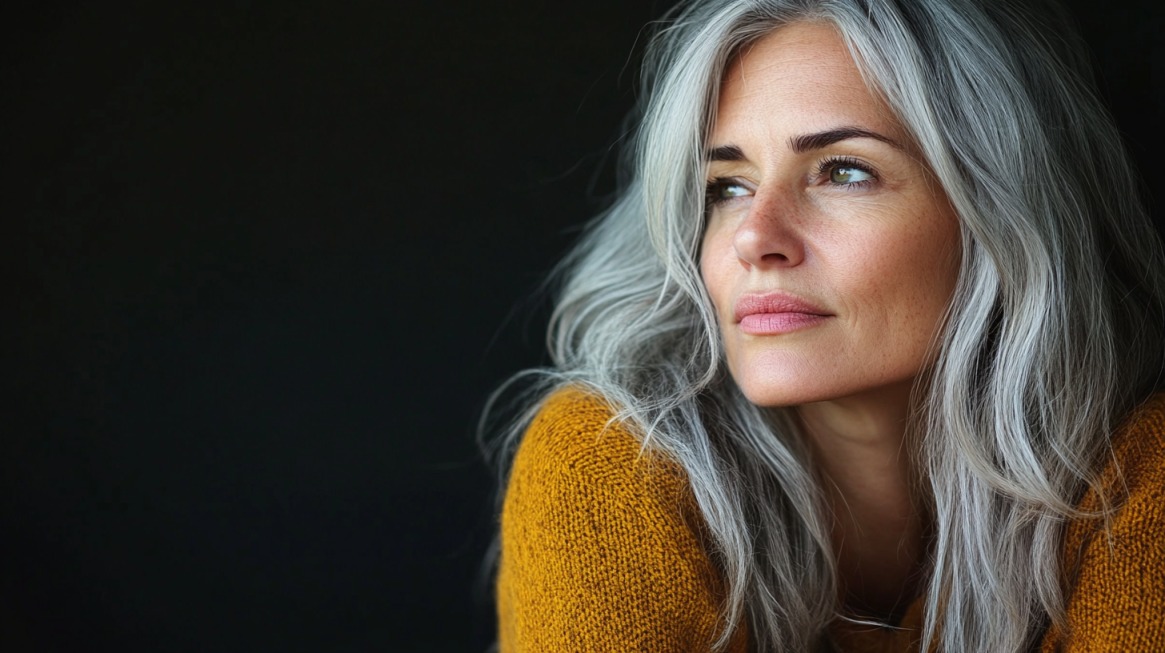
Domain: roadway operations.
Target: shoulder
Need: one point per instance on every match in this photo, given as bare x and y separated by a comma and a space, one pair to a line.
578, 470
1139, 445
1133, 473
1116, 597
602, 547
571, 423
575, 437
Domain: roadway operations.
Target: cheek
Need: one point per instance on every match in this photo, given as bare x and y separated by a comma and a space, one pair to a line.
720, 271
713, 268
938, 253
898, 282
920, 277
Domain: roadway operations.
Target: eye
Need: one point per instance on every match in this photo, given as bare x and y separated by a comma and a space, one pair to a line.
722, 190
846, 172
848, 175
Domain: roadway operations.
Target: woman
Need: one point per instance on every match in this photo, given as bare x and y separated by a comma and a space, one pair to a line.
863, 358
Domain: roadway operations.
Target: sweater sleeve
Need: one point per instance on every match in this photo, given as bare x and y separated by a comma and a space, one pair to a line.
1117, 598
601, 549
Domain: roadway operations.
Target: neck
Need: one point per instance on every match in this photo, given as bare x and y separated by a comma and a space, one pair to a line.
867, 473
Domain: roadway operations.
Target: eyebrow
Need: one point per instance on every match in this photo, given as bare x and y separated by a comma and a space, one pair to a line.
805, 143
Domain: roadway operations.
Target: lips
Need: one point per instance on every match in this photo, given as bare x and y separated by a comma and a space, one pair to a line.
776, 313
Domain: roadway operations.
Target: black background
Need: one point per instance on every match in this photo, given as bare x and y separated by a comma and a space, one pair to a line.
267, 260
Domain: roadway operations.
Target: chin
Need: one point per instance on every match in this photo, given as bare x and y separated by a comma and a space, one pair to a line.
783, 386
778, 397
781, 391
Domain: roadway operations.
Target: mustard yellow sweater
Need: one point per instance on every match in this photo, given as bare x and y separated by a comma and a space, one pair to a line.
603, 549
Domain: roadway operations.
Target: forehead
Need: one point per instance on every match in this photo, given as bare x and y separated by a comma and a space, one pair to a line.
800, 77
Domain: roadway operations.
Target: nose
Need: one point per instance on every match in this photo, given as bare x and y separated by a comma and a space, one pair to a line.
768, 235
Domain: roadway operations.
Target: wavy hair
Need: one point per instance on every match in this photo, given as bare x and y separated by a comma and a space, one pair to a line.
1054, 331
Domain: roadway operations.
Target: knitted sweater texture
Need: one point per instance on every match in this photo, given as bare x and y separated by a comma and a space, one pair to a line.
604, 548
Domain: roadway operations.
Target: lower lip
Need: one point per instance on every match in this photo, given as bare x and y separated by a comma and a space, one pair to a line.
768, 324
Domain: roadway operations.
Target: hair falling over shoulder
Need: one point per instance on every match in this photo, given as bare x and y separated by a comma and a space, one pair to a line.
1054, 332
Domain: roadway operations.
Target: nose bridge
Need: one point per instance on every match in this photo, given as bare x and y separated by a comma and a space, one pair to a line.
768, 235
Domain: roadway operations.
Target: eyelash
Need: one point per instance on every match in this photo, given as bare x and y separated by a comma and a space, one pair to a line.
821, 170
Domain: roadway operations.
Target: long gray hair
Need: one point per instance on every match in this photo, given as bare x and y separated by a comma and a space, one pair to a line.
1053, 334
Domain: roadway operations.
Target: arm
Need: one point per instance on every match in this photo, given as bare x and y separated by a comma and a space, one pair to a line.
600, 545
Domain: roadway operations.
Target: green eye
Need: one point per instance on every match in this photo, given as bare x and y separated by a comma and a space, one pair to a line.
729, 190
722, 190
848, 175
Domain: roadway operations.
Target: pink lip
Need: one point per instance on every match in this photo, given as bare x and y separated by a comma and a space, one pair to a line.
776, 313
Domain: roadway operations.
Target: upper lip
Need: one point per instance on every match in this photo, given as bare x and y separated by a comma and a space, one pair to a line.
773, 302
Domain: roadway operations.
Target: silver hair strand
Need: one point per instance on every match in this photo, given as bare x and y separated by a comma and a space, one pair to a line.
1053, 334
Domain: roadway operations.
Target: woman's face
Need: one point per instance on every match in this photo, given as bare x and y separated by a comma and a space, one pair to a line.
830, 253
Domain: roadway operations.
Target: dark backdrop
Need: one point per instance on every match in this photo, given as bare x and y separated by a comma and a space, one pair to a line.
268, 260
